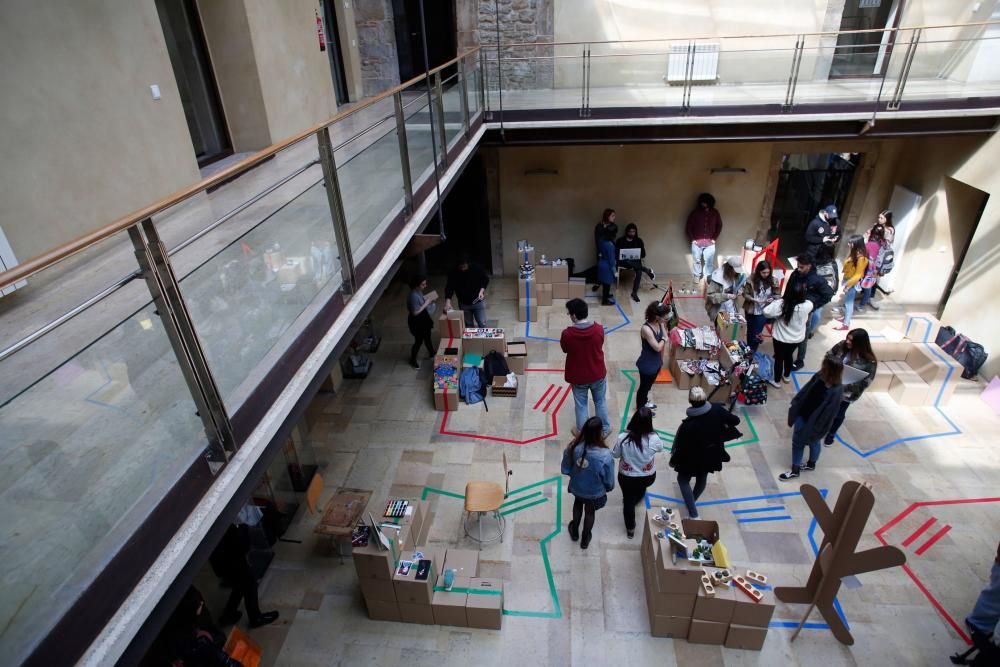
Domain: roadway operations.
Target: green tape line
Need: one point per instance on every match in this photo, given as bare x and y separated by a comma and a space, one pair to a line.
524, 507
531, 486
440, 492
521, 499
470, 591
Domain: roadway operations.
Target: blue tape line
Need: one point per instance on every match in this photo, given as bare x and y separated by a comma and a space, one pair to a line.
772, 508
527, 322
955, 430
784, 517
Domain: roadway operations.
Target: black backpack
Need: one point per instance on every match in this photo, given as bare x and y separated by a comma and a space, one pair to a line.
494, 365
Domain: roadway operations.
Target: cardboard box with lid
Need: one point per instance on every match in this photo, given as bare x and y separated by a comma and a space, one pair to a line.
448, 607
517, 356
745, 637
484, 606
527, 310
707, 632
451, 324
545, 294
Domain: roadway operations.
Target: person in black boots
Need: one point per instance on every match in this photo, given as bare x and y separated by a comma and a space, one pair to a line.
607, 263
419, 319
229, 560
631, 241
811, 415
591, 471
818, 291
700, 445
468, 282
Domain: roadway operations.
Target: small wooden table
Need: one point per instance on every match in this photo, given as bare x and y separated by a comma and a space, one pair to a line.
341, 515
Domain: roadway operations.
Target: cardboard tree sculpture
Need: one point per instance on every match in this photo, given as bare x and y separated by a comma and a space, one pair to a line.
837, 556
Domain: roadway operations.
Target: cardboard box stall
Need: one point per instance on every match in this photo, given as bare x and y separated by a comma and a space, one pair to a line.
682, 380
525, 254
499, 388
576, 288
448, 607
731, 326
517, 356
484, 606
718, 608
451, 324
483, 341
753, 614
745, 637
708, 632
545, 294
527, 286
449, 352
465, 562
379, 610
560, 290
527, 310
446, 398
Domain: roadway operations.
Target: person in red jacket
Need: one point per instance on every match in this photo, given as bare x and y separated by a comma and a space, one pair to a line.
583, 343
704, 225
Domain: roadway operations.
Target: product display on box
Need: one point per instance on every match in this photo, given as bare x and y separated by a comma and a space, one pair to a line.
446, 377
483, 333
709, 368
700, 338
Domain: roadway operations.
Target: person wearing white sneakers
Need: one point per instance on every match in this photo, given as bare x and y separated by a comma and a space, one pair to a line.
811, 414
653, 338
791, 313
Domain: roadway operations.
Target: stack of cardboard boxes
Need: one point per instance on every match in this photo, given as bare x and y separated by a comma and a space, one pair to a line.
680, 607
449, 356
483, 341
539, 283
393, 591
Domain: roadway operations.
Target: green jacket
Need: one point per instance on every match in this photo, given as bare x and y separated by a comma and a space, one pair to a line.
852, 392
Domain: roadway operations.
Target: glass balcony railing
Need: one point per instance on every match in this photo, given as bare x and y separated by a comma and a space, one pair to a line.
122, 399
880, 71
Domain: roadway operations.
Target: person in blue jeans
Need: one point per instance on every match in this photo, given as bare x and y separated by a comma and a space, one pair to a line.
591, 469
811, 415
583, 343
760, 290
983, 619
699, 445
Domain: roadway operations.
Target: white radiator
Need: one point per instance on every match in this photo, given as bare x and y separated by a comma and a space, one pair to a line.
706, 63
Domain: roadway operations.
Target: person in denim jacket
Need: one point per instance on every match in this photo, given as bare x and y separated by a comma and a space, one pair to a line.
591, 470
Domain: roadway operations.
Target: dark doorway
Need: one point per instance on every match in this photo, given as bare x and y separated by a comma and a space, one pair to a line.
334, 52
439, 19
965, 208
195, 81
865, 54
806, 183
466, 221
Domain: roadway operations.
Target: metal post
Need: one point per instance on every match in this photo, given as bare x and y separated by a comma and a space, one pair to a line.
793, 76
170, 305
688, 75
464, 88
439, 114
897, 95
583, 80
404, 154
484, 85
349, 281
587, 103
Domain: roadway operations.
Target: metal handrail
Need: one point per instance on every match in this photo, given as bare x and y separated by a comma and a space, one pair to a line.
46, 259
493, 47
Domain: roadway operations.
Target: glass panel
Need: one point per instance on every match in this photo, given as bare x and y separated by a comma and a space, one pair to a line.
738, 72
249, 300
419, 135
945, 68
454, 122
472, 84
371, 185
89, 447
817, 84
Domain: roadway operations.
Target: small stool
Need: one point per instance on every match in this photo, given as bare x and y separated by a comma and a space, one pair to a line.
484, 498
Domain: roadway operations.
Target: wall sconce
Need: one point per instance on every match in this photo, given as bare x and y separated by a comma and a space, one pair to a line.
728, 170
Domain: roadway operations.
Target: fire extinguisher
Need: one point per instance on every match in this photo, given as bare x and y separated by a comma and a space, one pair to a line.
319, 32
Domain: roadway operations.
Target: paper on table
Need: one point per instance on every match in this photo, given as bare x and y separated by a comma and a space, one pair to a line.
852, 374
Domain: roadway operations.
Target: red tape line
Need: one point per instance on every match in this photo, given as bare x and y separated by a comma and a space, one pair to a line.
546, 408
551, 387
934, 538
918, 532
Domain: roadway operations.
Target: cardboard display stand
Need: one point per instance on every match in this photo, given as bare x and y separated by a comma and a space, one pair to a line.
838, 556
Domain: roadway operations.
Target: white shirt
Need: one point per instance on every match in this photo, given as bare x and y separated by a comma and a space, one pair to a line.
795, 330
636, 463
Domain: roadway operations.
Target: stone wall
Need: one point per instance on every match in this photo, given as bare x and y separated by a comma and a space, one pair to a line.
521, 22
376, 45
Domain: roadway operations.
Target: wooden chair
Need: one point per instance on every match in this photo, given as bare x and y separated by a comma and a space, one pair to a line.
486, 498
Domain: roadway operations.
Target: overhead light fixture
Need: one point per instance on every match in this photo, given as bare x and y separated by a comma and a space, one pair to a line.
541, 172
728, 170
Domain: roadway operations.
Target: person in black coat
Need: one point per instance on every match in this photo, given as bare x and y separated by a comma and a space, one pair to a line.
699, 445
229, 560
811, 414
817, 290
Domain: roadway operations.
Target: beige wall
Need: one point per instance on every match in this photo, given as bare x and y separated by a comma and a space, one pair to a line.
295, 77
655, 186
83, 139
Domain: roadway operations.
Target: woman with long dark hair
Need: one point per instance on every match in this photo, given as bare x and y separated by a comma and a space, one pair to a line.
653, 339
419, 319
607, 262
856, 351
724, 285
759, 291
854, 270
791, 313
591, 469
699, 445
636, 448
811, 414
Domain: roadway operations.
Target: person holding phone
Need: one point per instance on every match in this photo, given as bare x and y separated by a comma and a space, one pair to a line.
419, 320
468, 281
758, 292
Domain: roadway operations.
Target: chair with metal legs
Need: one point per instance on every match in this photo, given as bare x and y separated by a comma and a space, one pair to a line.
485, 498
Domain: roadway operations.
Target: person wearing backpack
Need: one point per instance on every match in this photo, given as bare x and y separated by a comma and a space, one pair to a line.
583, 343
873, 245
636, 448
591, 470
